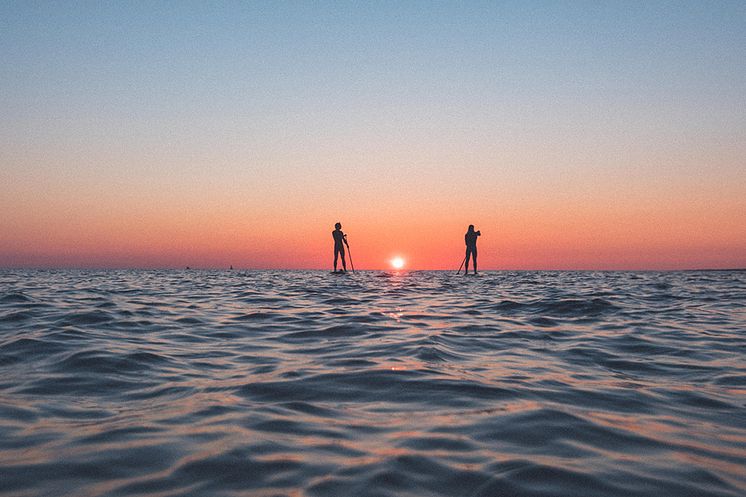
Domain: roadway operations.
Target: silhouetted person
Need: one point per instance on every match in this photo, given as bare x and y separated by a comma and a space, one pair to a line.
340, 240
471, 247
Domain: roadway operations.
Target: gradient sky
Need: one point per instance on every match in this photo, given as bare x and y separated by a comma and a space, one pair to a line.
578, 135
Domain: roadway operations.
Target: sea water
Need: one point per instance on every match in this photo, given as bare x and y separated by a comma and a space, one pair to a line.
302, 383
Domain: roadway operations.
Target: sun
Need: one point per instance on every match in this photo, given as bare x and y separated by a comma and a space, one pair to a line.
397, 263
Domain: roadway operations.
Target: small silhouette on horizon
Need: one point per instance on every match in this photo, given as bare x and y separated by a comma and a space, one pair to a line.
340, 240
471, 248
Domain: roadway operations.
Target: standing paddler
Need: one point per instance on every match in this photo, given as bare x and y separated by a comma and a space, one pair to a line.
340, 240
471, 247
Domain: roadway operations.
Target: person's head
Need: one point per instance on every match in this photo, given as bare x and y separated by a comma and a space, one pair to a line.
338, 226
471, 228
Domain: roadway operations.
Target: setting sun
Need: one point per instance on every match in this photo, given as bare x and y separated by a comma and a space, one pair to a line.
397, 263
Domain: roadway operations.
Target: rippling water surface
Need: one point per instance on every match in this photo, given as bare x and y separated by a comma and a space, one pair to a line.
302, 383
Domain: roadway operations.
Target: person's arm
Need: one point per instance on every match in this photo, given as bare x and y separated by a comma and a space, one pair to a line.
479, 233
344, 238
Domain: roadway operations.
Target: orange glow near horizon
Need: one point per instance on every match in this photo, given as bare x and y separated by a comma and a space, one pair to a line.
592, 237
216, 228
529, 219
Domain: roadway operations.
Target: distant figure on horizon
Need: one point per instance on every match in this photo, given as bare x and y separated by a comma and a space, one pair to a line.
471, 247
340, 240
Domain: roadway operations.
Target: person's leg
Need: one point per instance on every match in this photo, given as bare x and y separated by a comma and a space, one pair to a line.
344, 262
336, 254
466, 267
474, 254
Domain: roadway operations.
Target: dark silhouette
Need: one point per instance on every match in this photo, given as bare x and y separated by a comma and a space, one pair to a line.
471, 247
340, 240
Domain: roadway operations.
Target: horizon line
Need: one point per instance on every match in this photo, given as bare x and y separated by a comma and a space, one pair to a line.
207, 268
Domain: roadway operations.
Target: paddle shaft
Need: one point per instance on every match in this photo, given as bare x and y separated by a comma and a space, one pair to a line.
349, 252
462, 265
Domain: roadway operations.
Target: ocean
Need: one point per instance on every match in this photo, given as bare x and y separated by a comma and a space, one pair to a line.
303, 383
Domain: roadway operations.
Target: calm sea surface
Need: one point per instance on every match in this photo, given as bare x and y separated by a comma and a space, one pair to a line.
302, 383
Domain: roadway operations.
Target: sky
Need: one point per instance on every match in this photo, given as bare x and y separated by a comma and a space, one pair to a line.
574, 135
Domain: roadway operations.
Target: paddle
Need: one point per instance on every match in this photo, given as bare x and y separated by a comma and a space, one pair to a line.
349, 252
462, 265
